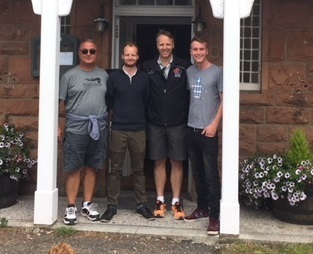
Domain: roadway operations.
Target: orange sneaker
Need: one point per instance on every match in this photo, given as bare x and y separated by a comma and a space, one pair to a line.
178, 211
160, 209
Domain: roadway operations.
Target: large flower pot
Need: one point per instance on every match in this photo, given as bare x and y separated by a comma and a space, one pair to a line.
8, 191
302, 213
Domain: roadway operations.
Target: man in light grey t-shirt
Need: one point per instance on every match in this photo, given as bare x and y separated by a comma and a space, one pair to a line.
83, 90
205, 82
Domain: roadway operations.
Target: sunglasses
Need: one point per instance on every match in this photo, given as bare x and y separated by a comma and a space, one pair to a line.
91, 51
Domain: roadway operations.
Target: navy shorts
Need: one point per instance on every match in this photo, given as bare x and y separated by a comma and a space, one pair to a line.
169, 141
81, 151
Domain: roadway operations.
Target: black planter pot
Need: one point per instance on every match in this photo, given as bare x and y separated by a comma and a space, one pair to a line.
302, 213
8, 191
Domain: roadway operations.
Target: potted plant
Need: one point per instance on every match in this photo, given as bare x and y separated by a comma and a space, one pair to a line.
281, 182
14, 162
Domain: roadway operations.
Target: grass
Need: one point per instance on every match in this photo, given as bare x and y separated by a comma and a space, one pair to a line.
265, 248
3, 222
65, 231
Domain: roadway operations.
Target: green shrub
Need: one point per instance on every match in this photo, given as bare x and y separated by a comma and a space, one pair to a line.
299, 150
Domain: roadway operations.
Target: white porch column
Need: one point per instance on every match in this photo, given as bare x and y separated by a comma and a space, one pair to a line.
229, 215
46, 195
231, 11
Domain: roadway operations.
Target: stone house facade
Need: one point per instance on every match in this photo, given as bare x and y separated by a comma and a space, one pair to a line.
267, 117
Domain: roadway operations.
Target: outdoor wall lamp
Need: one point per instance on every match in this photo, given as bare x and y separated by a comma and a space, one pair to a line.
198, 24
101, 22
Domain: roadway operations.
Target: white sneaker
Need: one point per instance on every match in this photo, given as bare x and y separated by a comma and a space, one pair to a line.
70, 217
90, 211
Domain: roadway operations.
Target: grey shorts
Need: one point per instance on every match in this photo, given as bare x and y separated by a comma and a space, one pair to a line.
166, 142
81, 151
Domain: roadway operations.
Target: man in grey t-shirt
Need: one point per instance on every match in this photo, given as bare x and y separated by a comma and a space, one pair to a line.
205, 82
83, 90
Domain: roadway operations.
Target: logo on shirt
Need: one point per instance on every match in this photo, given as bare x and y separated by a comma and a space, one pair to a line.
94, 79
177, 72
197, 89
92, 82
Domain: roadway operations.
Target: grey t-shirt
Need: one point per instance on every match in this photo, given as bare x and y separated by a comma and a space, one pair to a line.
205, 87
84, 95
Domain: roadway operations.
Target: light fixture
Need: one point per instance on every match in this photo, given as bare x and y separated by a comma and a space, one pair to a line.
198, 24
101, 22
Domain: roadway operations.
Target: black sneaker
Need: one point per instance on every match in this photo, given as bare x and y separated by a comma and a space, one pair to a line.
144, 211
90, 211
70, 217
108, 214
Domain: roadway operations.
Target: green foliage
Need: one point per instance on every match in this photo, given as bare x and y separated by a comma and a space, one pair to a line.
65, 231
299, 150
3, 222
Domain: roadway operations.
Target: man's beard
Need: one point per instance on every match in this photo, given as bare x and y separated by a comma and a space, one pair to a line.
130, 65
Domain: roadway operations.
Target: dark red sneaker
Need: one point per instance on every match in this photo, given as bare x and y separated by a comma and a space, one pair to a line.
197, 214
214, 226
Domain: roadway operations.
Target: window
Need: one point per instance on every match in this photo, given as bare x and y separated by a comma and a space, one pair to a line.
155, 2
250, 49
66, 24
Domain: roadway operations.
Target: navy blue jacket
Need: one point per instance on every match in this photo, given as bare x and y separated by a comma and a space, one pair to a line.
169, 98
128, 99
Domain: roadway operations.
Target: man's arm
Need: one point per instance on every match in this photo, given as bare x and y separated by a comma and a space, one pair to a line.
61, 128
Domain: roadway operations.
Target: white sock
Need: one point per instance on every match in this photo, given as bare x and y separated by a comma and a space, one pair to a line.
174, 200
161, 198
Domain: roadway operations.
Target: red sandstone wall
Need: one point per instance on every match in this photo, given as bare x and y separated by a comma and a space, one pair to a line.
267, 119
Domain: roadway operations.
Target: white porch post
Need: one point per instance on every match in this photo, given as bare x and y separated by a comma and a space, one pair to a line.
231, 11
46, 195
229, 203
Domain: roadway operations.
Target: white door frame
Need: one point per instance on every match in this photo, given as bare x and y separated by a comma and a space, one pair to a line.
144, 11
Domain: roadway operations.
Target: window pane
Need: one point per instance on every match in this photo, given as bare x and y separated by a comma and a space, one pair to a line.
246, 77
255, 55
247, 54
183, 2
255, 78
164, 2
256, 32
146, 2
255, 44
247, 43
256, 8
127, 2
247, 66
247, 32
255, 21
255, 66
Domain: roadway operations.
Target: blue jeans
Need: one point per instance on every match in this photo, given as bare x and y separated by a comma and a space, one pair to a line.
203, 152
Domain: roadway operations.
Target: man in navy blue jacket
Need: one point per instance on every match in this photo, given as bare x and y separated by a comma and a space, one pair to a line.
127, 97
167, 120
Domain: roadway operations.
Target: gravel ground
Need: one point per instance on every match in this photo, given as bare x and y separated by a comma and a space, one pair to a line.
41, 240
